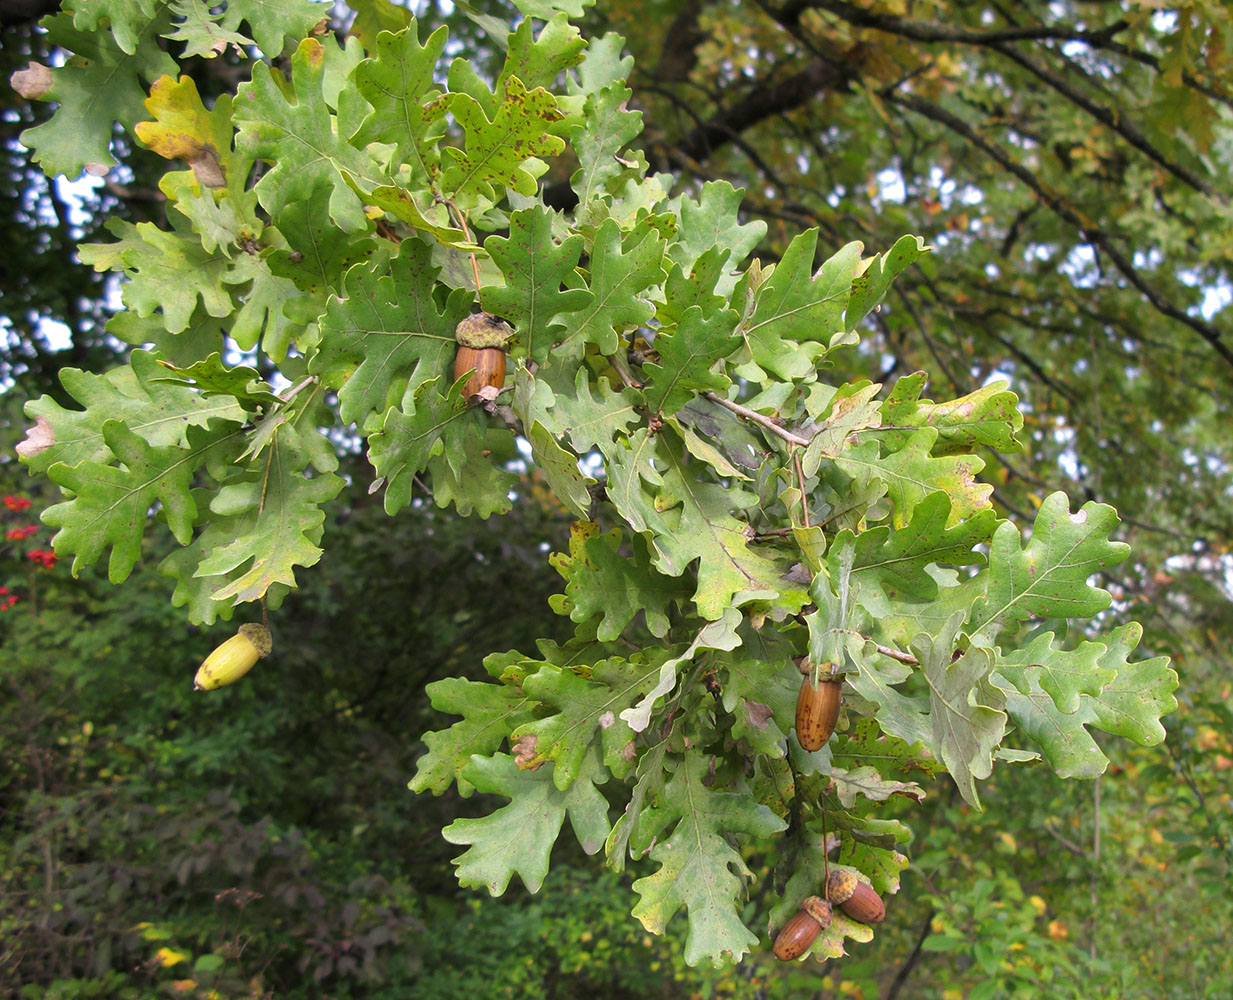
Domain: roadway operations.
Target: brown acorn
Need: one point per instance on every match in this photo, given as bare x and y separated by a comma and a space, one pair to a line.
856, 898
481, 346
799, 933
817, 710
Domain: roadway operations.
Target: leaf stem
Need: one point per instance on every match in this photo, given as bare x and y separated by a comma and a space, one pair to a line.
296, 389
462, 223
800, 478
826, 852
759, 419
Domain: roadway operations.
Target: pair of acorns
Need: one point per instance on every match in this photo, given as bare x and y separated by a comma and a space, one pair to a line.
857, 899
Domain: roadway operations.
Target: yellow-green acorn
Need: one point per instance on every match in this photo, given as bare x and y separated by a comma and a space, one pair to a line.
234, 658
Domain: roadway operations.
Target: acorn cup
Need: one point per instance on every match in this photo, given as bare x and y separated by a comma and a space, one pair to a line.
817, 706
482, 339
856, 898
798, 934
234, 658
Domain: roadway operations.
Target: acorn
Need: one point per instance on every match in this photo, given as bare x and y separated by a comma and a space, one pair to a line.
817, 706
856, 898
482, 339
234, 658
798, 934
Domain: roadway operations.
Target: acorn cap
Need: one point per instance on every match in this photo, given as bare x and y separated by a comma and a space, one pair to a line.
840, 885
259, 636
819, 909
828, 671
480, 330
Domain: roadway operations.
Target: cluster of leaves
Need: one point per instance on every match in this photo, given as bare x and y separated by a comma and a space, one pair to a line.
738, 508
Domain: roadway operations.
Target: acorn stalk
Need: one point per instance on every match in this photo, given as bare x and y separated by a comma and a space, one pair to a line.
234, 658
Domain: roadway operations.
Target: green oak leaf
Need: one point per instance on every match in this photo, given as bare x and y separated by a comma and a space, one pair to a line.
223, 222
852, 410
389, 335
94, 91
167, 271
1130, 705
607, 127
314, 254
989, 416
691, 520
202, 337
896, 620
495, 150
913, 472
606, 63
713, 222
538, 62
720, 634
695, 287
604, 581
490, 713
620, 272
585, 703
534, 266
213, 378
876, 679
687, 358
125, 19
864, 740
560, 470
729, 446
796, 304
562, 397
204, 30
297, 134
894, 561
518, 837
464, 475
648, 788
374, 16
760, 693
407, 440
876, 274
546, 9
161, 414
275, 515
419, 211
398, 81
272, 22
1048, 578
111, 504
1064, 674
267, 303
965, 732
698, 868
866, 781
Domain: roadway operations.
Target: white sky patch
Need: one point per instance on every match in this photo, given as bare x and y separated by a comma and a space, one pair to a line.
891, 185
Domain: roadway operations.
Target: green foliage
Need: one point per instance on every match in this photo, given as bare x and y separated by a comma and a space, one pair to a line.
746, 494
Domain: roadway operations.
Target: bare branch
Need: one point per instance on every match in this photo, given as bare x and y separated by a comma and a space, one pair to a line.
1054, 201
